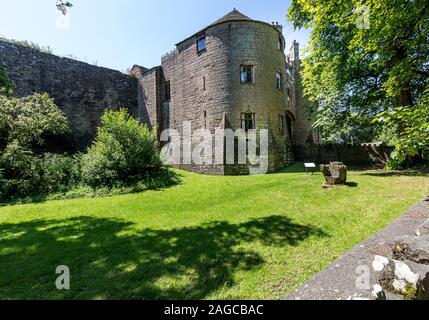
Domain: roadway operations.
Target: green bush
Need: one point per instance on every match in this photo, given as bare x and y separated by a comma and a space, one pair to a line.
59, 172
24, 174
21, 172
124, 152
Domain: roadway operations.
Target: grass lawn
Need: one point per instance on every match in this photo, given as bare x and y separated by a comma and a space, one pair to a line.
251, 237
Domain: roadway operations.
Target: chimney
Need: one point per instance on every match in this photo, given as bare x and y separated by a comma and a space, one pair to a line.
294, 51
278, 26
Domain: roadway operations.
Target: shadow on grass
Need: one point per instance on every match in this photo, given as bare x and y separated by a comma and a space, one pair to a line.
402, 173
352, 184
110, 259
158, 181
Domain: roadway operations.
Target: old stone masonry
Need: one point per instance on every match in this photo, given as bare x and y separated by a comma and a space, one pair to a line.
233, 74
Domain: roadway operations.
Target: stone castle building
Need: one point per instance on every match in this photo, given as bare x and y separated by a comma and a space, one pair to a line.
232, 74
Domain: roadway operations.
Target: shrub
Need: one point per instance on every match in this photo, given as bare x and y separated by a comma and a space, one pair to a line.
123, 153
27, 119
21, 171
23, 174
23, 122
59, 172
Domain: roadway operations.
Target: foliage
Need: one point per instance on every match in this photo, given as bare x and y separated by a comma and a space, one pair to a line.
63, 6
27, 120
413, 139
6, 88
124, 151
29, 44
27, 174
23, 122
355, 68
60, 172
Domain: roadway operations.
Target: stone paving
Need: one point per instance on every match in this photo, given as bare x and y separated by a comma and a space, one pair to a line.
339, 281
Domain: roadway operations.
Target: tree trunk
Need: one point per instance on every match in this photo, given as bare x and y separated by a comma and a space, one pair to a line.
404, 96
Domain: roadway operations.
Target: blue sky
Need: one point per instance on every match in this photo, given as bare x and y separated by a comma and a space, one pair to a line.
120, 33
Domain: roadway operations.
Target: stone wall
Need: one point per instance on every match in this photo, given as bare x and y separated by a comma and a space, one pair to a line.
206, 88
81, 90
149, 96
356, 155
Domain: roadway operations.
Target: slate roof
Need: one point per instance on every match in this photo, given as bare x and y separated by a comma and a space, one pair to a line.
234, 15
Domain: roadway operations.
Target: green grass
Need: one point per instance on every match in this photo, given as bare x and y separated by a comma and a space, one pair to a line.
251, 237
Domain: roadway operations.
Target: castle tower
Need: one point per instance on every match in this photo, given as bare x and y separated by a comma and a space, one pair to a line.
231, 74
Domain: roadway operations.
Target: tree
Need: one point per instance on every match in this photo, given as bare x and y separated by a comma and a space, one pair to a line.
123, 152
413, 139
63, 6
364, 57
24, 121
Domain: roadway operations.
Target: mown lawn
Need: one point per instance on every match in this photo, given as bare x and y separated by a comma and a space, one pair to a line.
253, 237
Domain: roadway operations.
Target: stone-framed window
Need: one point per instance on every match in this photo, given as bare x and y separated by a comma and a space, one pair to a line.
167, 91
248, 121
279, 80
281, 124
201, 42
246, 73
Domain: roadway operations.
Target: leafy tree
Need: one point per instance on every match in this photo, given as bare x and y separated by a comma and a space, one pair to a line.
413, 139
364, 57
27, 120
63, 6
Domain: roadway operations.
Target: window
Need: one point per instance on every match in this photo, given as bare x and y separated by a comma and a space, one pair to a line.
201, 42
167, 91
246, 74
204, 83
279, 80
248, 121
281, 124
288, 95
280, 43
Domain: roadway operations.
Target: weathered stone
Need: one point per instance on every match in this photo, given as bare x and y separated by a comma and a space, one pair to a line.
81, 90
203, 87
415, 249
334, 173
406, 278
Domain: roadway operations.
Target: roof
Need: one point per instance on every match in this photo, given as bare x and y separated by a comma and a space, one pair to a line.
234, 15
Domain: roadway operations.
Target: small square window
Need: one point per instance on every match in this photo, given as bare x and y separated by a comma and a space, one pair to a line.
248, 121
246, 74
201, 42
279, 80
